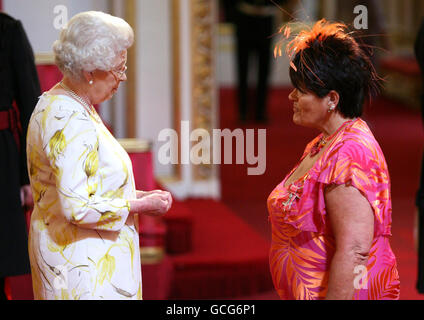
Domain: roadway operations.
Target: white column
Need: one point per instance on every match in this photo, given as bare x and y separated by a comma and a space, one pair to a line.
187, 186
154, 73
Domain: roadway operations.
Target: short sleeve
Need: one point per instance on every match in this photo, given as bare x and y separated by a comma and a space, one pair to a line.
71, 146
362, 166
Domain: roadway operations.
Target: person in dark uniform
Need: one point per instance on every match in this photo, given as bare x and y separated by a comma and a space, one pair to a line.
419, 52
254, 23
19, 84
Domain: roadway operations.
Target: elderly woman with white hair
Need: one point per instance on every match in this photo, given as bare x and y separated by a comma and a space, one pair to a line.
84, 241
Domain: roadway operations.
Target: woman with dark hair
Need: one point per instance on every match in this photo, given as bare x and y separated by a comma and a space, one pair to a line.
331, 215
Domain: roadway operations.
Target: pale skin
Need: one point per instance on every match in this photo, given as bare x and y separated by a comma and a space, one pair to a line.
103, 86
349, 212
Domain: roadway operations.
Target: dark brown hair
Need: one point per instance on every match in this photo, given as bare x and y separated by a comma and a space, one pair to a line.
329, 58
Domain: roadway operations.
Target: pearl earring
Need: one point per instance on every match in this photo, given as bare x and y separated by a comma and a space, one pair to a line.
332, 107
90, 82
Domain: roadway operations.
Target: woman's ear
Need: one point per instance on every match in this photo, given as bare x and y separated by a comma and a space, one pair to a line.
333, 98
88, 76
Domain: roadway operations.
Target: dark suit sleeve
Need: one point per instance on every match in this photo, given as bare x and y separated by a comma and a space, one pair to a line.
419, 47
26, 86
419, 53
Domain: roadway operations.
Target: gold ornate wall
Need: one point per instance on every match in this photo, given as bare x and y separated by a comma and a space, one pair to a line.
176, 74
202, 74
201, 24
130, 17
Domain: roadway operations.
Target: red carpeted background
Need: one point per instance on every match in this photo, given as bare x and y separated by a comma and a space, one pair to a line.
399, 131
229, 242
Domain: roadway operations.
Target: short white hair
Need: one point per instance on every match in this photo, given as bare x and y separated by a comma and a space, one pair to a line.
91, 41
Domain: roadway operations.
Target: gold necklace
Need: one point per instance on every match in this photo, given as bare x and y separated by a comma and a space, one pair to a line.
316, 148
88, 107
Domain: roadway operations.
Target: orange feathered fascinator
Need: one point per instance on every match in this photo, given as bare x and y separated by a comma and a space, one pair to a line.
319, 32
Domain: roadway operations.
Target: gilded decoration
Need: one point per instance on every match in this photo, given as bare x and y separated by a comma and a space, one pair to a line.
202, 13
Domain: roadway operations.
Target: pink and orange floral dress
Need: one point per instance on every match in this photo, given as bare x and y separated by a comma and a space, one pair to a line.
303, 243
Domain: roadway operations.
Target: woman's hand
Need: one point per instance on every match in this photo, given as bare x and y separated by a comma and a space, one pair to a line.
153, 203
141, 194
26, 196
165, 194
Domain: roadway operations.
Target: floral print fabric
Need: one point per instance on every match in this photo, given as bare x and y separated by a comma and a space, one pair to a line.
82, 243
303, 244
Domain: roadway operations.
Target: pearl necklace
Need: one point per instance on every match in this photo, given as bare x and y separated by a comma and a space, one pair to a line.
88, 107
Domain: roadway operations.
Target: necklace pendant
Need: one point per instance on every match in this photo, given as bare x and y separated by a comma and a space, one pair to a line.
316, 148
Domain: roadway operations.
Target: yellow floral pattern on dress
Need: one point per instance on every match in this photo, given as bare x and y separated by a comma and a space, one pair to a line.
82, 242
106, 268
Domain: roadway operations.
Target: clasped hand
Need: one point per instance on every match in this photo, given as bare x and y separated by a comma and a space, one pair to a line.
153, 203
26, 196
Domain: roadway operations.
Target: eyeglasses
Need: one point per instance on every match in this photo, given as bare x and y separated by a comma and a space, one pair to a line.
120, 72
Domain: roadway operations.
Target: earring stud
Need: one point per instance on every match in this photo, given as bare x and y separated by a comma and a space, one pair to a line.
90, 82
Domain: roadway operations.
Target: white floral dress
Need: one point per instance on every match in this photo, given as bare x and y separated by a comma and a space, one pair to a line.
82, 244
